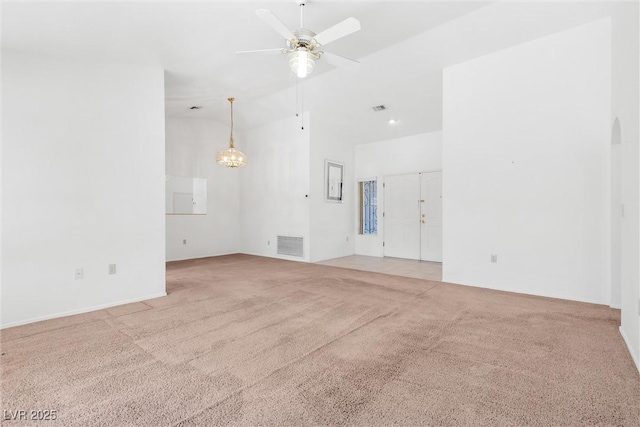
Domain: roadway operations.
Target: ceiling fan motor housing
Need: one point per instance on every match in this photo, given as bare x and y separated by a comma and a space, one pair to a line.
304, 38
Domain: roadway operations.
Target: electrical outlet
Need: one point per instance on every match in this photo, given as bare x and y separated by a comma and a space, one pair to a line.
184, 241
494, 258
268, 242
347, 238
79, 274
112, 269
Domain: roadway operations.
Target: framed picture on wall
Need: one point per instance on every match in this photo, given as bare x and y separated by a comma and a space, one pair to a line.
334, 177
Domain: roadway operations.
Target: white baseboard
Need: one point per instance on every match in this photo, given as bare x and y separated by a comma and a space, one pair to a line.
202, 256
284, 257
634, 356
276, 256
81, 310
521, 292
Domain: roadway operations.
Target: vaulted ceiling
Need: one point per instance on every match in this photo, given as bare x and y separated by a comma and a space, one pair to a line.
402, 47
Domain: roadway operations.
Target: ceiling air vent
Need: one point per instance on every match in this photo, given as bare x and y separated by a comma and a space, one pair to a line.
380, 107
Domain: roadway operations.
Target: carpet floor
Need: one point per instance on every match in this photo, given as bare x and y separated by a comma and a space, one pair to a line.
244, 340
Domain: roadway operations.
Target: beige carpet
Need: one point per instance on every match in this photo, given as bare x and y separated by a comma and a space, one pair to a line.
242, 340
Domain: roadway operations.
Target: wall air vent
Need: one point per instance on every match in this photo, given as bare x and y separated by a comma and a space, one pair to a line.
292, 246
379, 108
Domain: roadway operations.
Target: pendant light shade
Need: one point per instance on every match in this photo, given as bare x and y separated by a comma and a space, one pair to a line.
231, 157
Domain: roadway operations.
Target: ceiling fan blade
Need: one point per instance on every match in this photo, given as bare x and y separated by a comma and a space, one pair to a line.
278, 49
337, 60
341, 29
267, 16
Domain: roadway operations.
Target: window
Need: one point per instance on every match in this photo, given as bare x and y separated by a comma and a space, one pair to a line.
368, 191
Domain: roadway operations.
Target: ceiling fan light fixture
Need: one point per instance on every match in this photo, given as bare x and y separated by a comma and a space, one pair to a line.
303, 45
231, 157
301, 62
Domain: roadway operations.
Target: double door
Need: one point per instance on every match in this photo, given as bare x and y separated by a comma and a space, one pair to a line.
413, 216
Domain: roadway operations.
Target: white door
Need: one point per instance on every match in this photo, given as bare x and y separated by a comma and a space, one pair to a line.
402, 216
431, 216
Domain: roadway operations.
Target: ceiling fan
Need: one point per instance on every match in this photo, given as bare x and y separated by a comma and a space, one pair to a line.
303, 45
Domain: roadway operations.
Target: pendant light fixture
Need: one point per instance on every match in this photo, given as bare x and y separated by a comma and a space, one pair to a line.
231, 157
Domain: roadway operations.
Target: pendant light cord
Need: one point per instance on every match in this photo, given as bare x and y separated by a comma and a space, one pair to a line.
231, 137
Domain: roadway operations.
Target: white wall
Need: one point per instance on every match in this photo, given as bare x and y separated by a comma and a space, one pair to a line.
1, 185
83, 186
526, 167
191, 147
412, 154
274, 186
625, 94
332, 231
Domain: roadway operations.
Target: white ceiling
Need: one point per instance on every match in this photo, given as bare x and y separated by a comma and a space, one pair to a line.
402, 47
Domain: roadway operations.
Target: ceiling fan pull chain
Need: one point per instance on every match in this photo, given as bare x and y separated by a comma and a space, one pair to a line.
297, 100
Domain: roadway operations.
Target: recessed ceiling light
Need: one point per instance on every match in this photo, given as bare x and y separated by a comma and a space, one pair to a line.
392, 121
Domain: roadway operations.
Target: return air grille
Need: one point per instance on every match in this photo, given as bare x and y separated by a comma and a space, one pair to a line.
293, 246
